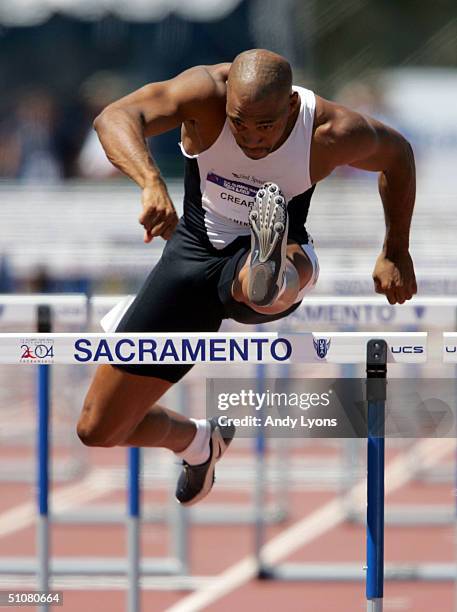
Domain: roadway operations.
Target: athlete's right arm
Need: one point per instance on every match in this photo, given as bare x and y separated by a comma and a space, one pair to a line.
155, 108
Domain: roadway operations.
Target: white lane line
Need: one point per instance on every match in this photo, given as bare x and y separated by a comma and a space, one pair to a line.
323, 519
96, 484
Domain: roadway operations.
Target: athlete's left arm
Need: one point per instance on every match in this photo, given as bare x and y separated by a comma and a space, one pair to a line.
363, 142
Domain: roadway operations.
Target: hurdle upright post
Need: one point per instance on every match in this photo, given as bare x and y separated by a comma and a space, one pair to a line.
179, 514
133, 530
44, 325
376, 396
259, 488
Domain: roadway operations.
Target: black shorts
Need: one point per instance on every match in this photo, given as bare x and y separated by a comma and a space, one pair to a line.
190, 290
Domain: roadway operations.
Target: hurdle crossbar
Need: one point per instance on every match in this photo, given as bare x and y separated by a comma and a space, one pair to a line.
236, 348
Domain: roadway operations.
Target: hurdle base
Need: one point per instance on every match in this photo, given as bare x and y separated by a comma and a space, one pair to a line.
354, 572
411, 515
375, 605
443, 475
91, 566
211, 514
78, 582
23, 471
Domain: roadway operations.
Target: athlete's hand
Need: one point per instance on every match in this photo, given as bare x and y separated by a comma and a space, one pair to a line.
159, 216
394, 277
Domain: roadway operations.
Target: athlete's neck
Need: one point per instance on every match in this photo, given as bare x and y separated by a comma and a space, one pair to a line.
290, 126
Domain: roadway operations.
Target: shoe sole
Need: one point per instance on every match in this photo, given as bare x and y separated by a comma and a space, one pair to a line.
260, 278
219, 446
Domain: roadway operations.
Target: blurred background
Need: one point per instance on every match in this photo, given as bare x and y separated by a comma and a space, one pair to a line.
62, 62
69, 223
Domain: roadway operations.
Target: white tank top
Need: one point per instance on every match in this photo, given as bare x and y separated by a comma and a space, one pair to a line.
217, 201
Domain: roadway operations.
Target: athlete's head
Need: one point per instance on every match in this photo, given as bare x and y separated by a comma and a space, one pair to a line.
260, 100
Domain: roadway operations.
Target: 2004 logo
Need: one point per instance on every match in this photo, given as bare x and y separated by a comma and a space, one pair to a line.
37, 352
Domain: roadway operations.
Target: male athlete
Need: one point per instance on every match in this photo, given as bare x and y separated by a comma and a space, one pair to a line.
254, 148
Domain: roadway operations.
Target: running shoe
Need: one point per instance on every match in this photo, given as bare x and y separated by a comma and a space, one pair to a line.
196, 481
269, 228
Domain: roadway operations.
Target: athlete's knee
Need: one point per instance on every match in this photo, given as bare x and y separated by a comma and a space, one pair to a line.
95, 432
304, 258
93, 436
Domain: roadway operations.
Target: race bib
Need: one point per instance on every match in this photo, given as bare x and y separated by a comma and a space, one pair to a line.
228, 197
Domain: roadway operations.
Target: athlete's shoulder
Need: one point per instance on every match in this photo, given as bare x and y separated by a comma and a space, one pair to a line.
204, 82
334, 122
339, 136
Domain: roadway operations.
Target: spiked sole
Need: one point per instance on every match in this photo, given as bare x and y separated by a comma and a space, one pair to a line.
269, 226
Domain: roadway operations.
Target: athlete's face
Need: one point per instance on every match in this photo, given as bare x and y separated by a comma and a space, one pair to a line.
258, 127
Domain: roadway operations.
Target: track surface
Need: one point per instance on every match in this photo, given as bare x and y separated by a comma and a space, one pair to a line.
315, 531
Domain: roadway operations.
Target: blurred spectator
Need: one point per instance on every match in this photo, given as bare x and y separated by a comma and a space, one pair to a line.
9, 151
28, 151
40, 280
6, 276
97, 92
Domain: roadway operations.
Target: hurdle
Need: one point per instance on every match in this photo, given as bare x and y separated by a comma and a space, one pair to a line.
375, 511
258, 348
73, 309
38, 349
22, 312
44, 349
109, 348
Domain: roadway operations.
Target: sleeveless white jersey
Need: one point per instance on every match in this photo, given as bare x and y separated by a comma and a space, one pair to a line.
221, 182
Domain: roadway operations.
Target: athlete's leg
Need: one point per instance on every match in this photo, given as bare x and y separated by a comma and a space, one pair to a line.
121, 404
120, 410
121, 407
298, 273
277, 268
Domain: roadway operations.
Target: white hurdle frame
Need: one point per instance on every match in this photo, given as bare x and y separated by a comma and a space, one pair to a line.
342, 348
16, 311
433, 572
346, 572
